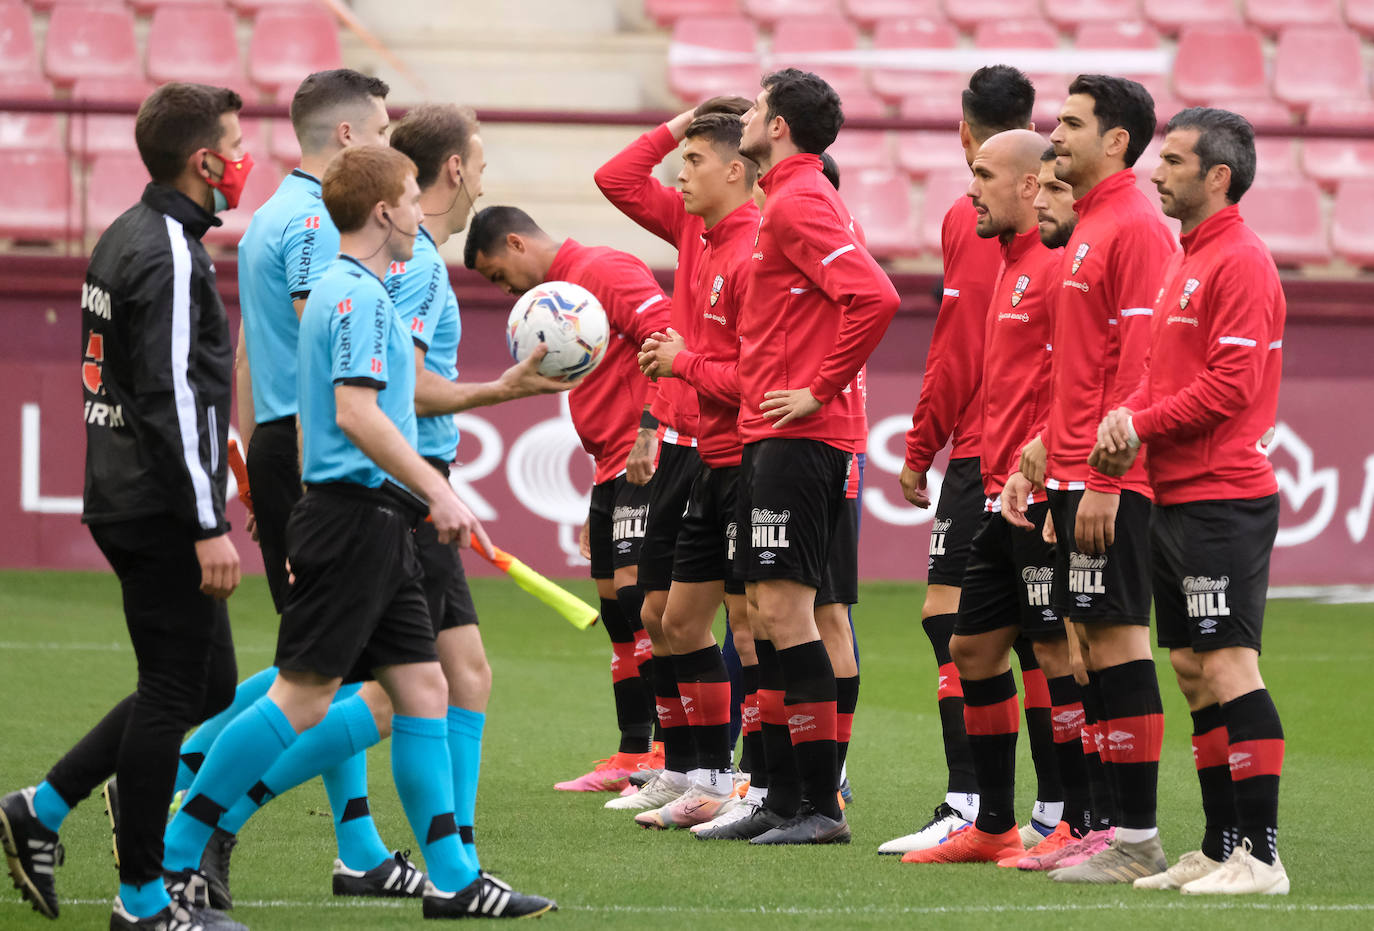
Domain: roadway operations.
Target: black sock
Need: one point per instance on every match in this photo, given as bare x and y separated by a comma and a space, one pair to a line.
810, 708
991, 720
1066, 711
939, 628
1214, 778
705, 688
1256, 755
1035, 699
634, 708
679, 750
783, 777
1134, 736
846, 700
1103, 795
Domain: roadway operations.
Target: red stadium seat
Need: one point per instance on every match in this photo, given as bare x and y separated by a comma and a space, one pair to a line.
796, 41
1071, 14
1219, 61
290, 43
45, 5
1274, 15
1145, 167
262, 184
90, 42
1051, 87
18, 54
941, 189
667, 12
772, 12
194, 43
1359, 15
1274, 154
1172, 16
1286, 212
896, 84
115, 184
862, 149
148, 6
714, 55
968, 14
254, 7
1331, 161
867, 13
1318, 63
20, 130
921, 152
881, 203
1352, 221
283, 145
106, 132
1127, 34
36, 189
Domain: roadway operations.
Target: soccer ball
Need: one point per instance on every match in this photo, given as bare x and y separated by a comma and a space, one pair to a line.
568, 319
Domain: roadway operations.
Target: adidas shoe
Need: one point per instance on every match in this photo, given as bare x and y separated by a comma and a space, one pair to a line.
757, 820
609, 775
657, 792
1086, 847
1121, 862
1031, 858
484, 897
1033, 832
32, 851
808, 826
1192, 865
214, 865
396, 878
693, 807
190, 887
1242, 874
944, 822
970, 845
110, 795
178, 916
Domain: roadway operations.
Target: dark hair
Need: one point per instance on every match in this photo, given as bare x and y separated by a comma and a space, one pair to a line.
176, 120
490, 227
722, 129
724, 104
1049, 155
316, 102
810, 107
998, 98
1120, 102
1223, 138
431, 133
830, 169
359, 178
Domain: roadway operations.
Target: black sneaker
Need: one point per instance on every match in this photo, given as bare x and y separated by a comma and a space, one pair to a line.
189, 886
395, 878
484, 897
111, 796
32, 851
214, 865
747, 828
178, 916
808, 827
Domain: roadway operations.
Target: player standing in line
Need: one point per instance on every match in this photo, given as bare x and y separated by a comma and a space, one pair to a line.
1206, 408
817, 305
998, 98
509, 249
1006, 587
357, 604
157, 376
1111, 271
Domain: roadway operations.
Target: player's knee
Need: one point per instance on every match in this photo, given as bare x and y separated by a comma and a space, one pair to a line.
968, 656
1053, 657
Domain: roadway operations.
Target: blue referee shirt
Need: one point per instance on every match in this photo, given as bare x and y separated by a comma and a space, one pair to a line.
289, 244
350, 334
426, 303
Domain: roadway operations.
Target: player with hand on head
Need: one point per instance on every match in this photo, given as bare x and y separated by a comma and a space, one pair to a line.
157, 381
1204, 409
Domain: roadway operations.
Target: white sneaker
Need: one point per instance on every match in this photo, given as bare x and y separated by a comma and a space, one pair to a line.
657, 792
943, 823
1033, 832
1192, 865
1242, 874
744, 809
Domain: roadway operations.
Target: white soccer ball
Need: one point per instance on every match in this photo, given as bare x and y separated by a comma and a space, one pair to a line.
568, 319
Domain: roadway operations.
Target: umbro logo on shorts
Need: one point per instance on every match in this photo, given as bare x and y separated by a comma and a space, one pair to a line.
767, 557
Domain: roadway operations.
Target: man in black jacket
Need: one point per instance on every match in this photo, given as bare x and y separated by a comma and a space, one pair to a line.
156, 372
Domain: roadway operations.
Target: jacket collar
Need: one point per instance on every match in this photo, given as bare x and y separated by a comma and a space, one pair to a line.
167, 200
1020, 244
1211, 229
789, 168
1106, 191
746, 215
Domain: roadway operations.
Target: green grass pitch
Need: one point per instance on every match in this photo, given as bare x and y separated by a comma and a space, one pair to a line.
65, 659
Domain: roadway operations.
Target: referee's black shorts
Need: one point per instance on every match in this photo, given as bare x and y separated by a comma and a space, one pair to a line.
669, 490
446, 584
958, 515
274, 476
615, 525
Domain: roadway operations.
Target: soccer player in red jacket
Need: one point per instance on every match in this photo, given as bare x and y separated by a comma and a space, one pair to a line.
509, 249
1112, 268
1206, 408
817, 306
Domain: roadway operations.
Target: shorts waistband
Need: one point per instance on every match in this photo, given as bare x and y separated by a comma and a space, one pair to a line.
388, 495
439, 464
277, 424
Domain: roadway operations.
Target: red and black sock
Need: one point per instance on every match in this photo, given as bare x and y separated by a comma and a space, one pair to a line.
1134, 729
634, 706
1039, 730
1214, 778
783, 777
751, 757
990, 717
1099, 786
809, 704
1256, 758
705, 687
1066, 716
679, 749
939, 628
846, 700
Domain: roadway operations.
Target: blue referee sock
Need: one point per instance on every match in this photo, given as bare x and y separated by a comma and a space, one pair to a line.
146, 900
195, 747
50, 808
465, 749
424, 782
243, 753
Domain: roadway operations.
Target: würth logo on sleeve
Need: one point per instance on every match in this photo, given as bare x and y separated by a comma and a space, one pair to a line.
1019, 291
1079, 256
715, 289
1189, 287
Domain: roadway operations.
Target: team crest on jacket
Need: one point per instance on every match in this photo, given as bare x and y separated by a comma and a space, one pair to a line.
1189, 287
1019, 291
715, 289
1080, 255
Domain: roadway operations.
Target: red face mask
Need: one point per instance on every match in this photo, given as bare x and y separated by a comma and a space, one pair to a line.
232, 182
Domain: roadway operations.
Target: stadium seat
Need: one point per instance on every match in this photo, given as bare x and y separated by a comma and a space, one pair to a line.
920, 152
1359, 15
36, 189
290, 43
194, 43
773, 12
1286, 212
19, 130
18, 54
45, 5
1274, 15
146, 7
1352, 221
254, 7
1219, 61
105, 132
862, 149
713, 55
90, 42
896, 84
1051, 87
262, 184
1069, 15
1172, 16
1318, 63
881, 202
968, 14
1331, 161
1145, 167
868, 13
668, 12
282, 145
941, 190
796, 41
1125, 34
1273, 154
114, 184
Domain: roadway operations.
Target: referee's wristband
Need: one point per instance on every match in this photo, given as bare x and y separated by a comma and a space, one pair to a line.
648, 421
